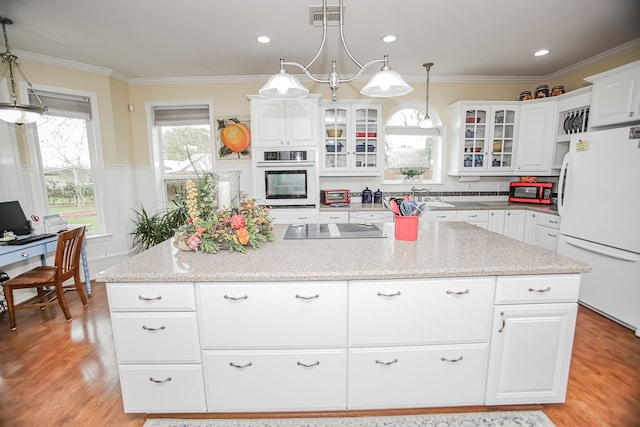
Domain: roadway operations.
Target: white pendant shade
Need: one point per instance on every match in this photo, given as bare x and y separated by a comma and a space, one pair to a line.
283, 86
386, 83
20, 114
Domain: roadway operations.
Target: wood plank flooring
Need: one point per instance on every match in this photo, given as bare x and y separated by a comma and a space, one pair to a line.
59, 373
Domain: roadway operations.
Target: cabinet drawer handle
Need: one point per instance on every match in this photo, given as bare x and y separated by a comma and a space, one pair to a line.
166, 380
382, 294
147, 328
311, 297
316, 363
380, 362
553, 222
246, 365
472, 216
444, 359
142, 298
552, 235
503, 322
24, 255
235, 298
450, 292
547, 289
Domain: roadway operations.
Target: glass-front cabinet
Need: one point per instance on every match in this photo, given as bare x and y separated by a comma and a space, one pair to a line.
351, 138
483, 138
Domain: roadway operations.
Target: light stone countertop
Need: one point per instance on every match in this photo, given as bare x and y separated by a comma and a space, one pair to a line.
457, 205
443, 249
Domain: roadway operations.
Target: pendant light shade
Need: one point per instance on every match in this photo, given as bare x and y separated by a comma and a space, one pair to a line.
283, 86
386, 83
13, 112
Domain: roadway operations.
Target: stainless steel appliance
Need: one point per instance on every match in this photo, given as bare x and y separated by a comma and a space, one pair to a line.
530, 192
599, 208
329, 197
286, 178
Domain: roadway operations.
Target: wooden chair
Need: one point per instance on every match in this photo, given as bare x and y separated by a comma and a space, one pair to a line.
49, 280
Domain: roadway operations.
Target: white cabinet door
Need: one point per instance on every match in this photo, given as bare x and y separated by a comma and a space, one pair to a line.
417, 376
530, 221
272, 314
514, 224
535, 136
276, 380
616, 96
479, 218
496, 221
440, 215
547, 238
530, 353
291, 123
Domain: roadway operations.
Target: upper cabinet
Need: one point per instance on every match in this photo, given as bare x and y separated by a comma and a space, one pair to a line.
572, 117
535, 136
291, 123
351, 138
483, 138
616, 96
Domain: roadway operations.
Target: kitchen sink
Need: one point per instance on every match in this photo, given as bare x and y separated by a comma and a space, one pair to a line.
434, 204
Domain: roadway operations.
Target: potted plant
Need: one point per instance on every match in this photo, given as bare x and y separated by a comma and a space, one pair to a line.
411, 174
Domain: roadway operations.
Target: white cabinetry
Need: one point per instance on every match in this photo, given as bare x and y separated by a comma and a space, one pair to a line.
418, 342
514, 222
479, 218
352, 140
370, 216
535, 136
334, 217
496, 221
295, 216
440, 215
533, 328
616, 96
483, 138
572, 118
155, 330
547, 231
291, 123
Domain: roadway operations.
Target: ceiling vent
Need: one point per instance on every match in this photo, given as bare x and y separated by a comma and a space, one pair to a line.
316, 13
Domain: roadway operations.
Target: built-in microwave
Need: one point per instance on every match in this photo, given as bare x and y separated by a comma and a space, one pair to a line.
531, 192
286, 177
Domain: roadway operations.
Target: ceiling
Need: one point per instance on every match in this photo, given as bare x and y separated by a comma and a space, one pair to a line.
144, 39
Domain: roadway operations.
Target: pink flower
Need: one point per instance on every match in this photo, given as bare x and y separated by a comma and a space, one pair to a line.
193, 242
238, 222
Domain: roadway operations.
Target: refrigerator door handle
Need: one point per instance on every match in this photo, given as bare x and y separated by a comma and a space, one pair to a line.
561, 184
603, 250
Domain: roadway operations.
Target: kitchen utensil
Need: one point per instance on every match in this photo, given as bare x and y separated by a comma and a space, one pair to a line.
394, 206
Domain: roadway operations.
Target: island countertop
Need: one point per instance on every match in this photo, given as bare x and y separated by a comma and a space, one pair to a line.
443, 249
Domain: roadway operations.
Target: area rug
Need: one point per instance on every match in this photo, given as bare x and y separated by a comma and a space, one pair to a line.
472, 419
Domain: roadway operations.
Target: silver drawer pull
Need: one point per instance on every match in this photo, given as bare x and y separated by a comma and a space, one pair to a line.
316, 363
147, 328
166, 380
380, 362
444, 359
382, 294
472, 216
246, 365
235, 298
141, 298
552, 235
24, 255
450, 292
503, 322
547, 289
311, 297
553, 222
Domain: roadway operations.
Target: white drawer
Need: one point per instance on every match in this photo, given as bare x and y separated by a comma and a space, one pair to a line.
151, 297
473, 216
334, 217
420, 311
370, 216
162, 388
537, 289
547, 220
275, 380
156, 337
417, 376
547, 238
440, 216
276, 314
308, 216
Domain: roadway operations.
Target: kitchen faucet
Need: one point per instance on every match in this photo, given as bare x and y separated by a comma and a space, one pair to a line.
422, 194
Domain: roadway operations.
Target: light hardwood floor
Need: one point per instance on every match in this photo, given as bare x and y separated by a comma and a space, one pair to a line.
58, 373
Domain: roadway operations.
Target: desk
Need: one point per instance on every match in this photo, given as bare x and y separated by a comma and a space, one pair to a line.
10, 254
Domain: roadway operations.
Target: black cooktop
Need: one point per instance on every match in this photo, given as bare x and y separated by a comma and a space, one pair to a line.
333, 231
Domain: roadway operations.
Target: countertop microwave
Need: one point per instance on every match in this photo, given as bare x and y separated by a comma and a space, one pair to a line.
531, 192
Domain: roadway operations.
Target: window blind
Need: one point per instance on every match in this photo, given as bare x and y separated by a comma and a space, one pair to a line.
59, 104
181, 116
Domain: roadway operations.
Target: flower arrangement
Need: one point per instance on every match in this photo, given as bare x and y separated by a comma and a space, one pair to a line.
234, 228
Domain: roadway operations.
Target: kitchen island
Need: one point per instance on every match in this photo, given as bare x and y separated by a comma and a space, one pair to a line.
458, 317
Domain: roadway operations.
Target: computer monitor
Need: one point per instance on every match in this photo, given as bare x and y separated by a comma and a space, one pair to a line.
12, 218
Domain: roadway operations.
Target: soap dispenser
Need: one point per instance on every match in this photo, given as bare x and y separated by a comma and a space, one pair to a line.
377, 197
366, 195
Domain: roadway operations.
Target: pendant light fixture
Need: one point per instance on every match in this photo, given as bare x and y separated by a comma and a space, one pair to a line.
13, 112
385, 83
426, 122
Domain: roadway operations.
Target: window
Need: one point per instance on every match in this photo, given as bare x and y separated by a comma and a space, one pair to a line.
412, 153
183, 146
65, 151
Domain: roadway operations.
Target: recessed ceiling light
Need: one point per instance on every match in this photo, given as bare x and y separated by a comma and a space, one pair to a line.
264, 39
388, 39
541, 52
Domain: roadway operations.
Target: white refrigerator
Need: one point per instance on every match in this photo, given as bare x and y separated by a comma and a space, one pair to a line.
599, 206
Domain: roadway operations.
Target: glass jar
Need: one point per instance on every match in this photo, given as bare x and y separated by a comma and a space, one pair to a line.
542, 91
226, 189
